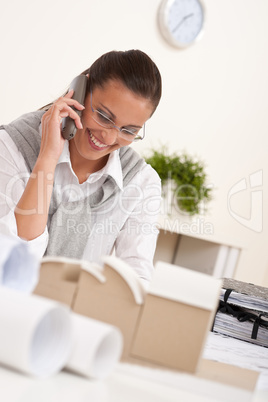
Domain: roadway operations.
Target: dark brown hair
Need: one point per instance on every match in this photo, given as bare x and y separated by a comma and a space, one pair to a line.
133, 68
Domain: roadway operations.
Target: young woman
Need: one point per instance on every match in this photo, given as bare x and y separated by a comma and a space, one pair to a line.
91, 195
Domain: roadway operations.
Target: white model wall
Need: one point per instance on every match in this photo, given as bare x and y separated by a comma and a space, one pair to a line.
215, 94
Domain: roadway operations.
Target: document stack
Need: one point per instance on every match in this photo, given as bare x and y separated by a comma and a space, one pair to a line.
243, 312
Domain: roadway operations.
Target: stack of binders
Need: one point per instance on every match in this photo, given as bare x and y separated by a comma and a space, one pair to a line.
243, 312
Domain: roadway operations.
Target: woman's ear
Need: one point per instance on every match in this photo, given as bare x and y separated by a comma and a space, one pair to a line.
88, 82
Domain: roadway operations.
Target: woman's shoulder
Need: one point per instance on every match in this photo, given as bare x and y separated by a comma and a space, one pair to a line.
150, 173
144, 173
9, 152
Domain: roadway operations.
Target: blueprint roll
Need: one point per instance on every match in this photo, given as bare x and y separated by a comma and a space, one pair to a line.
97, 347
19, 267
35, 333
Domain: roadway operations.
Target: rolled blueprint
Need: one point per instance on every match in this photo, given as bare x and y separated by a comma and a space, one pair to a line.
35, 333
97, 347
19, 268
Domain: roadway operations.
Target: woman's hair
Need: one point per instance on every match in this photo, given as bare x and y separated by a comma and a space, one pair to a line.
133, 68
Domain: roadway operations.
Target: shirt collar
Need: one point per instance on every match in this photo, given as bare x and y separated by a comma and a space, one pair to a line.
65, 155
112, 168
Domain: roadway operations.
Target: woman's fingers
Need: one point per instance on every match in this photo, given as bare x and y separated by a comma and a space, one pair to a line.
65, 106
74, 115
69, 93
62, 109
70, 101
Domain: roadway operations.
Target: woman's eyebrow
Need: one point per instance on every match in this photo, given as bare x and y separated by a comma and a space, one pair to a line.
109, 111
114, 116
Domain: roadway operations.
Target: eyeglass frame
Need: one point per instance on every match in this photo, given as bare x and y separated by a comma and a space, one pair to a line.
137, 137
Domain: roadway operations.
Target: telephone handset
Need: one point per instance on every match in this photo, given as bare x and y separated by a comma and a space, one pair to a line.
79, 85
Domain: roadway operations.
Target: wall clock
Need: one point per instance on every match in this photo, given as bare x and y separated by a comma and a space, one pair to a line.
181, 22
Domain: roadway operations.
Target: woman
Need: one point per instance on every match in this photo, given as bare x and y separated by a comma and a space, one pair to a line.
85, 197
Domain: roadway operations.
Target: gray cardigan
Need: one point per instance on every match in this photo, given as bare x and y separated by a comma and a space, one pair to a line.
25, 133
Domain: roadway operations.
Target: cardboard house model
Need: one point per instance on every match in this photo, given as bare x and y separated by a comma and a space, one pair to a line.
165, 326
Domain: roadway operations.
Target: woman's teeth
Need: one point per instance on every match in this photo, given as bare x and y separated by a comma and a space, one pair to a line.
96, 142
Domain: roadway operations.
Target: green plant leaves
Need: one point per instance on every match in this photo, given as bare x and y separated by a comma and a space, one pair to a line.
188, 174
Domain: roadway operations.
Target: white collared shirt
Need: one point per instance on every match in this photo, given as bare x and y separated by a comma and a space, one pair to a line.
128, 226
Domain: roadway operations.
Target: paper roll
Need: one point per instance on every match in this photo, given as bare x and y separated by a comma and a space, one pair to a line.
35, 333
19, 268
97, 347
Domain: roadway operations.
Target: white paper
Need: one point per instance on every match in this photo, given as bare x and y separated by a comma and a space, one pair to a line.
19, 268
97, 347
227, 324
246, 301
239, 353
35, 333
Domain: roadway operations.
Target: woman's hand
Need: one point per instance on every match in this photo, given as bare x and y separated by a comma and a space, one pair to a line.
32, 209
52, 141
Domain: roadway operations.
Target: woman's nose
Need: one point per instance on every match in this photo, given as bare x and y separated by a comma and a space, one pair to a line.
109, 136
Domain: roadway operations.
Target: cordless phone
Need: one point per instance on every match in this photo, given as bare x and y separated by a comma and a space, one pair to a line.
79, 85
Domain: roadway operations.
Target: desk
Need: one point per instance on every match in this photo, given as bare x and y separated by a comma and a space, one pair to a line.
133, 383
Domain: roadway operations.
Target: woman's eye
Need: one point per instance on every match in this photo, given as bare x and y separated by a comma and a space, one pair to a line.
131, 131
103, 117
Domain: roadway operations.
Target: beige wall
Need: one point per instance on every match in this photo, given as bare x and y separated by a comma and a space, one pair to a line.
215, 94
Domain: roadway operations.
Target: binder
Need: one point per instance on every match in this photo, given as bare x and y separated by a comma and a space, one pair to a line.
243, 312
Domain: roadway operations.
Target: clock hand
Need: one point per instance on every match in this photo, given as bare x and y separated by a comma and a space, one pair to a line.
181, 22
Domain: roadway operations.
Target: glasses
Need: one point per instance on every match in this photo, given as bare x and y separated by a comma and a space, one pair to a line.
127, 134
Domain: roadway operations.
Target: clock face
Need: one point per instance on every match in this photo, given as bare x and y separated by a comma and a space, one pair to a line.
181, 21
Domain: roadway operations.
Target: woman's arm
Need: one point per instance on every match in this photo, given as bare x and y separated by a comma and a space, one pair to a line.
31, 212
14, 175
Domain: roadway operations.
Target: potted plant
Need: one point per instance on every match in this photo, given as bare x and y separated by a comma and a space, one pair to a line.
187, 177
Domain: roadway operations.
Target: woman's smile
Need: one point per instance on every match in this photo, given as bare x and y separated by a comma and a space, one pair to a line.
95, 142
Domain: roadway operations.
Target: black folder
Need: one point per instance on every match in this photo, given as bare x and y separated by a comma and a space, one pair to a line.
243, 312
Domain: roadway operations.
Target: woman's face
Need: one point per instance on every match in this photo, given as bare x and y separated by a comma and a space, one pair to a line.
119, 104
